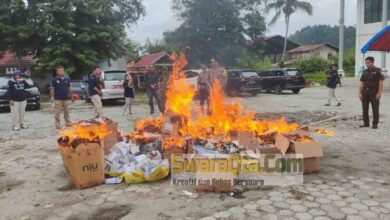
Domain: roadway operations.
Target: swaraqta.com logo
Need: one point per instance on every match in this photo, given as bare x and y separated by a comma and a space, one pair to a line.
270, 169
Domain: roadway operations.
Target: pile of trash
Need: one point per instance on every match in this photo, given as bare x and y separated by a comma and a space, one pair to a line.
136, 164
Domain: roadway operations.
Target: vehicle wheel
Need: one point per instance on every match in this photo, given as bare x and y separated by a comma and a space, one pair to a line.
278, 90
37, 107
254, 94
296, 91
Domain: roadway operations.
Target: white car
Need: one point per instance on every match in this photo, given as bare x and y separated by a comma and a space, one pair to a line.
113, 84
191, 77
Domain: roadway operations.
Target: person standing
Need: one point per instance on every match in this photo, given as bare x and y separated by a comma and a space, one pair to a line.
128, 86
331, 83
217, 73
95, 86
370, 91
17, 100
152, 81
203, 85
59, 93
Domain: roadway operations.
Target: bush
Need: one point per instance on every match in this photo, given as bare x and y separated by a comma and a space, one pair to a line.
349, 62
313, 65
317, 77
254, 62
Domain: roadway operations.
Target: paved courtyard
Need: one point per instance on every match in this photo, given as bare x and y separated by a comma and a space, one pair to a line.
353, 182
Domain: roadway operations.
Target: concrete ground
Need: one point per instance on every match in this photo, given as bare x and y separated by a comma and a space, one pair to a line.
353, 182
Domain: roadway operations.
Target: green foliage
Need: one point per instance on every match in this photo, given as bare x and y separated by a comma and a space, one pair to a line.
316, 77
349, 62
313, 64
158, 46
325, 34
254, 62
216, 29
72, 33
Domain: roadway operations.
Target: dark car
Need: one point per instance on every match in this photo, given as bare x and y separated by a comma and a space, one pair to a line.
244, 80
278, 80
32, 94
79, 88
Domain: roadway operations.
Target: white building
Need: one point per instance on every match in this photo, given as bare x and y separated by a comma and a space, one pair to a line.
369, 22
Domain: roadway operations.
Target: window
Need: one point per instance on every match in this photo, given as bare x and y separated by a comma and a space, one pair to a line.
373, 11
249, 74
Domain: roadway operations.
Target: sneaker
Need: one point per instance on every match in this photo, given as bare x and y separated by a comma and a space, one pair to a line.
131, 113
374, 126
24, 126
364, 126
125, 114
16, 128
338, 104
327, 104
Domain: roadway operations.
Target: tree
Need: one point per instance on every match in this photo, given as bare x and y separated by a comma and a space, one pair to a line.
158, 46
218, 29
287, 7
72, 33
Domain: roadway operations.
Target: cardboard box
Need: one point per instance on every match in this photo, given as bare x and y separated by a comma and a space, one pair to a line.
248, 139
171, 129
112, 138
311, 151
85, 165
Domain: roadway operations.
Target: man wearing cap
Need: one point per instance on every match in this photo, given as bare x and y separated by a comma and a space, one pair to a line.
17, 100
59, 93
370, 91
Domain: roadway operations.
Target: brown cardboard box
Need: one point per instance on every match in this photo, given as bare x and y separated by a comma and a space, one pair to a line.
85, 165
248, 139
112, 138
171, 129
311, 151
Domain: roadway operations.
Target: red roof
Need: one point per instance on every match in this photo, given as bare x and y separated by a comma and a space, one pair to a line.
149, 60
10, 60
309, 48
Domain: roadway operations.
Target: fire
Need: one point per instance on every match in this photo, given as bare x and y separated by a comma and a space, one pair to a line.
143, 124
225, 116
173, 143
325, 132
88, 132
300, 138
180, 93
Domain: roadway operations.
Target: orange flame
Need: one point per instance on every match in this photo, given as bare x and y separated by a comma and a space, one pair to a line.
141, 124
180, 93
173, 143
224, 117
325, 132
88, 132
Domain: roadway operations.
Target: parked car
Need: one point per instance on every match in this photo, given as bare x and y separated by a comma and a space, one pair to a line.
78, 88
192, 77
32, 94
278, 80
243, 80
113, 88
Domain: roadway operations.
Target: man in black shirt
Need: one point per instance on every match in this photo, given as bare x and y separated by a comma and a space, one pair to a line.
95, 91
370, 91
17, 100
152, 80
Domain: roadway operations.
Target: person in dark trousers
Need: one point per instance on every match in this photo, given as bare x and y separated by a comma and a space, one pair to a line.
370, 91
17, 100
95, 86
331, 83
128, 86
203, 85
60, 92
152, 81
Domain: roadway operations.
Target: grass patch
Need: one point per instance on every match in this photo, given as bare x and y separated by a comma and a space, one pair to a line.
140, 98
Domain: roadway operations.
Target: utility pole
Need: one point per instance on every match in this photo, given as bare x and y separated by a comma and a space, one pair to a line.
341, 38
384, 24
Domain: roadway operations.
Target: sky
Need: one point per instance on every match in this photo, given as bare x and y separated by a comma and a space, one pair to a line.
160, 18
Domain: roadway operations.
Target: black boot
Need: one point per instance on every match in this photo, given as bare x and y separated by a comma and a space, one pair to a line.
374, 126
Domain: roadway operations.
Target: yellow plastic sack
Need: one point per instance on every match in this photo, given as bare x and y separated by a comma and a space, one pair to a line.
139, 176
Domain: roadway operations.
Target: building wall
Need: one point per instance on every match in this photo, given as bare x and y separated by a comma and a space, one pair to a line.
364, 32
322, 52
